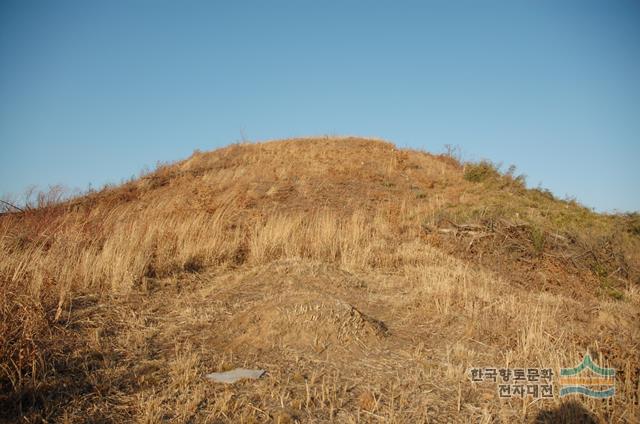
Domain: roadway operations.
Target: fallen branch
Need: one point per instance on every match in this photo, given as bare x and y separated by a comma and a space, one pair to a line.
466, 227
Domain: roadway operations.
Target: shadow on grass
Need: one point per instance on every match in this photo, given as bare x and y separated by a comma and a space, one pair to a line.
568, 412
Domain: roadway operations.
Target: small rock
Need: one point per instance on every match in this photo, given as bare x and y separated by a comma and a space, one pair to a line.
234, 375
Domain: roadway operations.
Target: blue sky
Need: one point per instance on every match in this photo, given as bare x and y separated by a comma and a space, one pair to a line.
93, 91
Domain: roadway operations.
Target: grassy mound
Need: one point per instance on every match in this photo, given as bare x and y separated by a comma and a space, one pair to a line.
366, 279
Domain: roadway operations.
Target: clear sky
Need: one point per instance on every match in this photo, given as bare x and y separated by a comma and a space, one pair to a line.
92, 91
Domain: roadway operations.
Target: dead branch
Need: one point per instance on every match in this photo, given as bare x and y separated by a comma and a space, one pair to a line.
466, 227
11, 205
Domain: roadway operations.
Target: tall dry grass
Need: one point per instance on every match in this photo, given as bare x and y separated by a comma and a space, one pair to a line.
112, 251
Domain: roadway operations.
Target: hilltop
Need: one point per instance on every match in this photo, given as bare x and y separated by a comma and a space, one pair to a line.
364, 278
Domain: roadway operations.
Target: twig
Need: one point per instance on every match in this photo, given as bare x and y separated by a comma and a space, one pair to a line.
479, 342
465, 227
11, 205
373, 415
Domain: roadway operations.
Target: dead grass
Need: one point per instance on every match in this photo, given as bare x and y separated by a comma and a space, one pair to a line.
316, 260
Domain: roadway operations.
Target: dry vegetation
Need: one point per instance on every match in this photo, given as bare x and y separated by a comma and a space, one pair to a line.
365, 279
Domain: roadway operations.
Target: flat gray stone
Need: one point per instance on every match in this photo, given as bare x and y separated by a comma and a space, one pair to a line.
234, 375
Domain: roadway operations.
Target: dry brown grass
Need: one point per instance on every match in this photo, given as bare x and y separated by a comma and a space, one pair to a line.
365, 279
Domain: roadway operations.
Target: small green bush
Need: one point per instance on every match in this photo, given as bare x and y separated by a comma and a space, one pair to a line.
633, 226
538, 239
481, 171
615, 294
